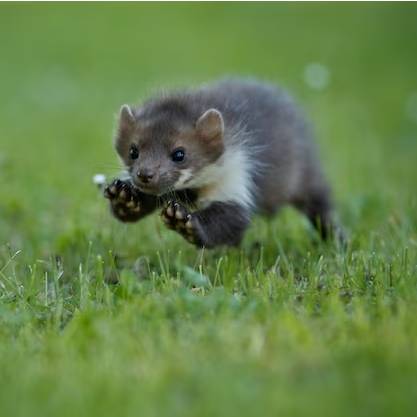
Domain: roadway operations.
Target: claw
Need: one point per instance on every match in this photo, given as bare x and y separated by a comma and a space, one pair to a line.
188, 224
169, 211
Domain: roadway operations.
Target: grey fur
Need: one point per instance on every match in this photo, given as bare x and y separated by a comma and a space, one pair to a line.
258, 117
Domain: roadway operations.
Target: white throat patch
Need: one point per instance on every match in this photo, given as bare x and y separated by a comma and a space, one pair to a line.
185, 175
227, 180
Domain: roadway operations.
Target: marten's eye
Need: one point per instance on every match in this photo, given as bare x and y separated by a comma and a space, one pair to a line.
133, 152
178, 155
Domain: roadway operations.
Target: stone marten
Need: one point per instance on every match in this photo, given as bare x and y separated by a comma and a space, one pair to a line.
214, 156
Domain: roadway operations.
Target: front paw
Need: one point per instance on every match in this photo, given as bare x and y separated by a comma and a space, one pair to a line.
176, 217
124, 200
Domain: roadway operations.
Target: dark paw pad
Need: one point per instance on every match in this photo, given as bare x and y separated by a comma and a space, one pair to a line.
123, 198
177, 217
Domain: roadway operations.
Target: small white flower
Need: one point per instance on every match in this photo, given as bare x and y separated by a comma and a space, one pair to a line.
99, 179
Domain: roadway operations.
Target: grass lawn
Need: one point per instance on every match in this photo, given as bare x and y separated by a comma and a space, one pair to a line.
102, 319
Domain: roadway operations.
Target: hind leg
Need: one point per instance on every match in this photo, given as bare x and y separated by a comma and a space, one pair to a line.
317, 206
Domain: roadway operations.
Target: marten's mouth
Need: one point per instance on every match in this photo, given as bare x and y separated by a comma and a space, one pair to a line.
142, 188
149, 189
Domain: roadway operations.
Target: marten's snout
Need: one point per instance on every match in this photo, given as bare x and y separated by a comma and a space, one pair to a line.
145, 176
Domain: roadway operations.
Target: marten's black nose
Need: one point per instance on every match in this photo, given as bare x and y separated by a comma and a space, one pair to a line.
144, 176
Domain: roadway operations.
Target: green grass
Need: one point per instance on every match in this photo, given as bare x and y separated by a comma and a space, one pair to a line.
99, 318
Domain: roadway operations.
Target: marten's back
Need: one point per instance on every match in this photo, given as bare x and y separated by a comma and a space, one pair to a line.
276, 137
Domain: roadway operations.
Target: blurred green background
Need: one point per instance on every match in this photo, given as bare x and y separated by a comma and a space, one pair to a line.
205, 334
66, 69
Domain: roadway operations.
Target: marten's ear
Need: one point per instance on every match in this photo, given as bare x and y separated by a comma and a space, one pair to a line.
126, 119
125, 129
210, 130
210, 125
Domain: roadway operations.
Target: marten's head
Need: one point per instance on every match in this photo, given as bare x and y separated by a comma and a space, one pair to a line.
165, 145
